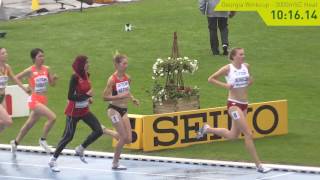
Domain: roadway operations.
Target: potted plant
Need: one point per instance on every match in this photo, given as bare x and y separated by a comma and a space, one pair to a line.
169, 93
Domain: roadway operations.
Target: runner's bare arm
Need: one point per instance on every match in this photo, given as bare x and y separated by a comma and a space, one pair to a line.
214, 78
52, 78
24, 74
134, 100
250, 77
16, 80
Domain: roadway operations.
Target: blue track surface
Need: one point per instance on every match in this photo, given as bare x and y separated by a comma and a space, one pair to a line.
33, 166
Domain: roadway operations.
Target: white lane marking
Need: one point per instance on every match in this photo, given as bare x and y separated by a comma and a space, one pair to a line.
105, 170
18, 177
276, 176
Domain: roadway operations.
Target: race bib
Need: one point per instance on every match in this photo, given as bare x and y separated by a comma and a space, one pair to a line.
122, 87
115, 119
41, 83
3, 81
82, 104
241, 82
235, 115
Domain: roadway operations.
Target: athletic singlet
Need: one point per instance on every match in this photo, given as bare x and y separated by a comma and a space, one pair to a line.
39, 79
4, 79
78, 103
120, 86
82, 88
238, 78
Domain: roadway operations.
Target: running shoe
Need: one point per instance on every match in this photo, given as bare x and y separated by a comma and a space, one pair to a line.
13, 146
117, 166
44, 145
80, 152
53, 165
202, 131
262, 169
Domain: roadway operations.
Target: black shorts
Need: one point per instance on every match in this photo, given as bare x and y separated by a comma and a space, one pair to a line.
121, 111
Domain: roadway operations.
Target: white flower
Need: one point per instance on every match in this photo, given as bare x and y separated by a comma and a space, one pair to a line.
154, 67
167, 68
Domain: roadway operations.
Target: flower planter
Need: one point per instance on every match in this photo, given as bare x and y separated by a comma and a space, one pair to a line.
182, 104
169, 83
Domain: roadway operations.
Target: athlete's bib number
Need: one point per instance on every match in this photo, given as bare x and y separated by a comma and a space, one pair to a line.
82, 104
241, 82
235, 115
122, 87
3, 81
41, 83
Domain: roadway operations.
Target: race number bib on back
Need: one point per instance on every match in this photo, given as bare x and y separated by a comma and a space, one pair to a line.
122, 87
41, 83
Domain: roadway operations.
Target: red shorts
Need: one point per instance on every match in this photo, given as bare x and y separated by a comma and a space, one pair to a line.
242, 105
34, 99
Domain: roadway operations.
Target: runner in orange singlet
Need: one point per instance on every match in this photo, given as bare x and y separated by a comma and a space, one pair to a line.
39, 77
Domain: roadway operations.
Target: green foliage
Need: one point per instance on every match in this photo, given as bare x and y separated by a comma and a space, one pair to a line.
168, 78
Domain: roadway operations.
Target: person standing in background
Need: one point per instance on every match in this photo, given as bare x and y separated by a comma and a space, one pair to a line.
216, 19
